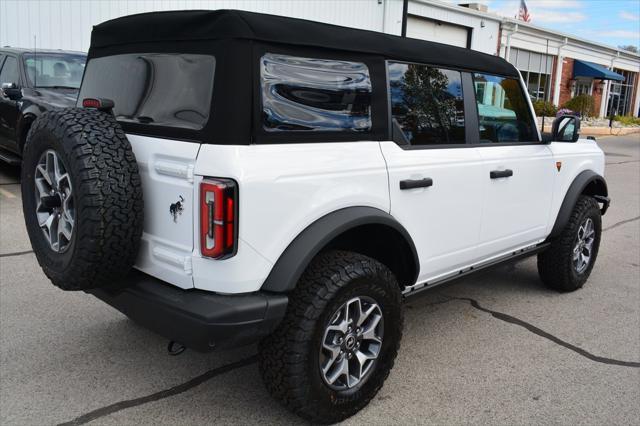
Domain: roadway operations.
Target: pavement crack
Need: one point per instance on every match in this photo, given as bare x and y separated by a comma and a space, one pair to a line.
622, 222
123, 405
535, 330
16, 253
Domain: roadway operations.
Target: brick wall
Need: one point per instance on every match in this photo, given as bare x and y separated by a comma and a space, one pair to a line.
597, 97
565, 80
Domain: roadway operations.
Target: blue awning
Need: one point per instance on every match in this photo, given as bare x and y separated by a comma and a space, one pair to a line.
589, 69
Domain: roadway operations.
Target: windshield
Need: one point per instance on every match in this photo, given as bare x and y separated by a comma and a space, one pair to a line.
54, 70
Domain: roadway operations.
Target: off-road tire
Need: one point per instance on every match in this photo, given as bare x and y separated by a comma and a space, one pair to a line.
555, 264
289, 358
107, 197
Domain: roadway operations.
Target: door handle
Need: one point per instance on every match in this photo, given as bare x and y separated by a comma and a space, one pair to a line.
497, 174
417, 183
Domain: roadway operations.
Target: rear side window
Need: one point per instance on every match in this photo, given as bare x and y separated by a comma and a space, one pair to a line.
307, 94
427, 103
155, 89
503, 111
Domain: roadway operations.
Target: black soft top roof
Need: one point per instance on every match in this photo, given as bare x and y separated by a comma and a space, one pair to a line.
200, 25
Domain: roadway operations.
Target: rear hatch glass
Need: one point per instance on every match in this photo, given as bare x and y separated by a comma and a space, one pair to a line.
155, 89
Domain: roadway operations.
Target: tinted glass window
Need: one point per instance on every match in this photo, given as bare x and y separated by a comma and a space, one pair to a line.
427, 103
314, 94
9, 73
54, 70
504, 114
163, 89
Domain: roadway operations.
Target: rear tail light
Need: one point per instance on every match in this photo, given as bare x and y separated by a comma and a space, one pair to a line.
218, 218
99, 104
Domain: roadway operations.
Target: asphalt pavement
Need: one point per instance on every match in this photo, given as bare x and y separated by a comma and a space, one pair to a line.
496, 348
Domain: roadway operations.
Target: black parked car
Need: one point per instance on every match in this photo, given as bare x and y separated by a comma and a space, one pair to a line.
33, 82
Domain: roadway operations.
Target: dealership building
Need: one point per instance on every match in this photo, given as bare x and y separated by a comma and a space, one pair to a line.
555, 66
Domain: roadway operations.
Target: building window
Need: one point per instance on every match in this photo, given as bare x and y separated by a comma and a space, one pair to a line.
427, 103
583, 87
536, 71
311, 94
620, 94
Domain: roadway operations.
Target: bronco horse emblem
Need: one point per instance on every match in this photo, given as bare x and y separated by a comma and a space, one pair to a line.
176, 208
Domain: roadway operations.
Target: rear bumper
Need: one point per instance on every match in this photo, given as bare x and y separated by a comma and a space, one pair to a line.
199, 320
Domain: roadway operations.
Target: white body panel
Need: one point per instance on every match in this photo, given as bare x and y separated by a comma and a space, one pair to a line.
576, 158
443, 220
282, 190
463, 220
515, 209
167, 172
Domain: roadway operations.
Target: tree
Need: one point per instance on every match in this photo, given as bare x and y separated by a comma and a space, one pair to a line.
582, 104
427, 101
629, 48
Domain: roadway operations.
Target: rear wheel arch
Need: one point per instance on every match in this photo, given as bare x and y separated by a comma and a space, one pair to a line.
588, 183
365, 230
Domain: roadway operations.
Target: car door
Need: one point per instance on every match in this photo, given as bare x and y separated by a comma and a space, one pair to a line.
435, 178
9, 107
518, 170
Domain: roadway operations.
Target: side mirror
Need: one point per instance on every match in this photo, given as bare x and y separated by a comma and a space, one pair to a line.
566, 128
11, 91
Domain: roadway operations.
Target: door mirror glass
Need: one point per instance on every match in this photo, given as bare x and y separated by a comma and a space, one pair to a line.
566, 128
11, 91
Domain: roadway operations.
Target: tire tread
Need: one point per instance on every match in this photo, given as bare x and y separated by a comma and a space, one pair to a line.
108, 196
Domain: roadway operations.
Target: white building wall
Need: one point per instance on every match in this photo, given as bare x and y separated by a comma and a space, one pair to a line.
67, 24
485, 27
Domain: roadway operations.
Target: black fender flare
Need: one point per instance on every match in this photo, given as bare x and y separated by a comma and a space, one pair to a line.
577, 188
296, 257
25, 121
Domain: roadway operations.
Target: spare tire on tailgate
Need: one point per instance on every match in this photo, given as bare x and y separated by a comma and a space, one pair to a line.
82, 198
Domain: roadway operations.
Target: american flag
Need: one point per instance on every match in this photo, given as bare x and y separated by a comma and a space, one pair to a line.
523, 13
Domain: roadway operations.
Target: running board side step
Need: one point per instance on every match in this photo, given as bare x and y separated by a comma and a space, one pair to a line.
515, 256
10, 158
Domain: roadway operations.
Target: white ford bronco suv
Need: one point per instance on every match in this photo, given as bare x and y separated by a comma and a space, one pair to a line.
230, 177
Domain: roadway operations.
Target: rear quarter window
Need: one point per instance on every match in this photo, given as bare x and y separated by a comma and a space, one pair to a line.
314, 95
154, 89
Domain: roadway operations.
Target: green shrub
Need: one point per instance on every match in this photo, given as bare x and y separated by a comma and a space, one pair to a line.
627, 120
582, 104
544, 108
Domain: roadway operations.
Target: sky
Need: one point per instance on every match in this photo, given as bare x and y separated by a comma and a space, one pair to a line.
612, 22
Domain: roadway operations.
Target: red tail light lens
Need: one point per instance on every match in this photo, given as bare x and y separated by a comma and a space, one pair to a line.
100, 104
90, 103
218, 218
